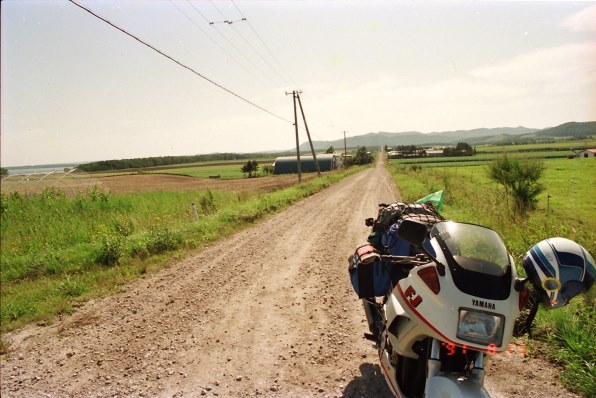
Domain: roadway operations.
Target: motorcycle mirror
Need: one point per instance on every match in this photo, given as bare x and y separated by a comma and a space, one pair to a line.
369, 222
412, 231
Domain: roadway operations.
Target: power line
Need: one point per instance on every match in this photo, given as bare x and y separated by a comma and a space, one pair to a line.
216, 43
179, 63
262, 42
260, 56
230, 22
233, 45
243, 19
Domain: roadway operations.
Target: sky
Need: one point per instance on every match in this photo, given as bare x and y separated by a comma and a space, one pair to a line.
76, 89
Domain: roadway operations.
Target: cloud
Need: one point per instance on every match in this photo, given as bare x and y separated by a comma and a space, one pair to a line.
538, 89
584, 20
566, 63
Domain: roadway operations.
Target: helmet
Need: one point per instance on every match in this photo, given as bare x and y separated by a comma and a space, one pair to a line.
560, 269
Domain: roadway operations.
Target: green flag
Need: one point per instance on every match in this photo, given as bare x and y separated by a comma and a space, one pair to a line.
435, 198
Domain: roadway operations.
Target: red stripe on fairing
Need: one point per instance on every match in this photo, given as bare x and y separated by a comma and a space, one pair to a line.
439, 333
394, 388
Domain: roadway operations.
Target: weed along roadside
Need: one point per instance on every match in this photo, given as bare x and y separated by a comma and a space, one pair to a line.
565, 208
59, 251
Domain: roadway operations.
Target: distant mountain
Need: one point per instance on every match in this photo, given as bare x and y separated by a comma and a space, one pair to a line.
571, 129
379, 140
480, 136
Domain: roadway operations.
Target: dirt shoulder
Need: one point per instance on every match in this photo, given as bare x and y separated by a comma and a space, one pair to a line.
268, 312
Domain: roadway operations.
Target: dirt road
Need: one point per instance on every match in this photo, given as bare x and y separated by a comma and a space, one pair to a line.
269, 312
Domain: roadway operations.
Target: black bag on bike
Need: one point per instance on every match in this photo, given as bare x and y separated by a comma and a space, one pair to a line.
369, 275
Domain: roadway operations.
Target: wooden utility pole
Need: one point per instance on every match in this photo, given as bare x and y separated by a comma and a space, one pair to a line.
296, 95
298, 166
345, 151
312, 149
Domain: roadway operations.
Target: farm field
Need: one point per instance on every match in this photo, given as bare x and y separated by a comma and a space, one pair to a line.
568, 186
230, 171
568, 193
211, 169
127, 182
555, 146
186, 168
481, 158
486, 153
569, 190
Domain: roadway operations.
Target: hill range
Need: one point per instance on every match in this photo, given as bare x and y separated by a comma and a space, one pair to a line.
476, 137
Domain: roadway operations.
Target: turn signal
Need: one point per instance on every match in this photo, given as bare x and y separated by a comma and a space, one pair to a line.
430, 277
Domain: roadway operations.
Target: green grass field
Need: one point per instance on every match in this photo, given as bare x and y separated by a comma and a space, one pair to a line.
480, 158
213, 169
207, 169
559, 145
216, 171
485, 154
568, 186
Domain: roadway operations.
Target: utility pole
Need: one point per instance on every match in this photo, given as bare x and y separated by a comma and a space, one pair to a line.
299, 168
312, 149
345, 151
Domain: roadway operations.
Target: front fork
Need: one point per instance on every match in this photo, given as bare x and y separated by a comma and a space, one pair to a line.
372, 309
434, 363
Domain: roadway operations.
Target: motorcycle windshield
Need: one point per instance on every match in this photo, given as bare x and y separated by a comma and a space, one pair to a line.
477, 258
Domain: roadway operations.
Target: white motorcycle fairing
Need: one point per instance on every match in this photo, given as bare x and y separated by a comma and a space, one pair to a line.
421, 313
415, 312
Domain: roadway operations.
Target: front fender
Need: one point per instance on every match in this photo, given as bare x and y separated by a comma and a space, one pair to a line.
454, 386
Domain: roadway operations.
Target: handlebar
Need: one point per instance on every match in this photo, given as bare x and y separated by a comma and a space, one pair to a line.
418, 259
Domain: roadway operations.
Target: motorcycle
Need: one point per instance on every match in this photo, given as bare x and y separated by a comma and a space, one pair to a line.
449, 296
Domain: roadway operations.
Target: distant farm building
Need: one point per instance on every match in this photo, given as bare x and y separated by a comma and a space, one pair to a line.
289, 164
588, 153
433, 153
418, 153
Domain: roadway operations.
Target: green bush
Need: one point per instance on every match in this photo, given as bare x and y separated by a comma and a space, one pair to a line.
71, 288
139, 250
111, 249
162, 239
520, 179
207, 203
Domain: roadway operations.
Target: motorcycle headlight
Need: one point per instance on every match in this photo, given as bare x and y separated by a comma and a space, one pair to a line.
480, 327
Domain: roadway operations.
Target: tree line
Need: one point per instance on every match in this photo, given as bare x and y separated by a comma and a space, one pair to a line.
461, 149
110, 165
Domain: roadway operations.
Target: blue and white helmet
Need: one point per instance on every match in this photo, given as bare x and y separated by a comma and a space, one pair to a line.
561, 268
